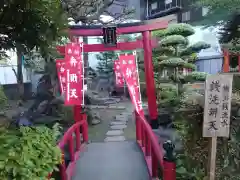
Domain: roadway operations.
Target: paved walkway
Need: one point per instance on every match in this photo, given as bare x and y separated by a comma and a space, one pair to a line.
112, 160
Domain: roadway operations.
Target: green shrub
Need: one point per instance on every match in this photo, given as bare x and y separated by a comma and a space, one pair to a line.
67, 116
3, 98
28, 153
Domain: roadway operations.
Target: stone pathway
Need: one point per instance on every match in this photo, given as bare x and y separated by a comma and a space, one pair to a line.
117, 127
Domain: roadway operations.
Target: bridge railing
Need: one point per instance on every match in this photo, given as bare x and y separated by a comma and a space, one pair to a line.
154, 154
75, 143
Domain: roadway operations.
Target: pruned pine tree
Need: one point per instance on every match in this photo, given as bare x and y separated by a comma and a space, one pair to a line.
172, 57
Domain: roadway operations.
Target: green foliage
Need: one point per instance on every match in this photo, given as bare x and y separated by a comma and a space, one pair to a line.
106, 61
174, 51
172, 62
167, 96
29, 153
233, 46
182, 29
173, 40
195, 48
196, 76
173, 54
66, 114
219, 11
28, 24
190, 66
3, 98
193, 162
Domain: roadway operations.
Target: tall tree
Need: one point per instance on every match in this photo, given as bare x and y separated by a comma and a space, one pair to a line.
90, 11
105, 62
30, 24
219, 11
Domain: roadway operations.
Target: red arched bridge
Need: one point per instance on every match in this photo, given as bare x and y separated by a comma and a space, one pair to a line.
142, 159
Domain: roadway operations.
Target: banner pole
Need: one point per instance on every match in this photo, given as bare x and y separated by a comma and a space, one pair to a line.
135, 53
82, 75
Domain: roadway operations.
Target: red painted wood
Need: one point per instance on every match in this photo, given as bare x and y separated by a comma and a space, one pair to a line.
67, 173
169, 170
101, 47
155, 167
148, 146
71, 147
76, 111
149, 76
156, 151
122, 30
152, 152
226, 64
71, 169
78, 138
62, 169
85, 128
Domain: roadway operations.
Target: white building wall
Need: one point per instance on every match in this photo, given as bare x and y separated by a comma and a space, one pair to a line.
7, 75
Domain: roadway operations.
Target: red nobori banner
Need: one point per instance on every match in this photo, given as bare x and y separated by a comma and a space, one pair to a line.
119, 78
73, 74
129, 71
60, 64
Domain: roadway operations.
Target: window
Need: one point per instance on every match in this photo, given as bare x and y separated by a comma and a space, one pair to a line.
168, 4
154, 6
168, 1
205, 11
186, 16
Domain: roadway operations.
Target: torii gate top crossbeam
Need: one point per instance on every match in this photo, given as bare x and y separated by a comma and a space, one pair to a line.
127, 28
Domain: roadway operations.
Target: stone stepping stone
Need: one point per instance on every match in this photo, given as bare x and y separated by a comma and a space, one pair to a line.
118, 123
114, 138
114, 133
126, 114
118, 127
121, 118
116, 107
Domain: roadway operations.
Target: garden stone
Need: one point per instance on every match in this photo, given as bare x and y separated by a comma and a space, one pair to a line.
117, 123
118, 127
114, 133
2, 113
114, 138
126, 113
96, 115
121, 118
95, 121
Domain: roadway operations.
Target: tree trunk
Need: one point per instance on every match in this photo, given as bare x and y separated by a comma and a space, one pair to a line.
20, 75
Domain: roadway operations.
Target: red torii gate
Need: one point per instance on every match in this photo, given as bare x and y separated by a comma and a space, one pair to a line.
147, 43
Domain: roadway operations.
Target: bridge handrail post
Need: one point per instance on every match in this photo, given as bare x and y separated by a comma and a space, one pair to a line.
85, 128
169, 161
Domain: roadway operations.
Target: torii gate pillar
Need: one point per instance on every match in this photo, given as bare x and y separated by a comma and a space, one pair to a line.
149, 77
